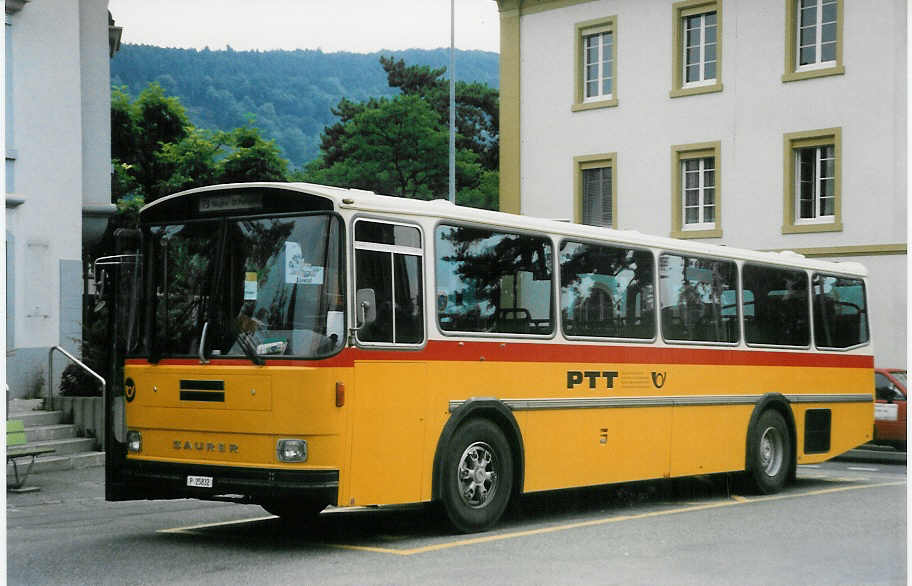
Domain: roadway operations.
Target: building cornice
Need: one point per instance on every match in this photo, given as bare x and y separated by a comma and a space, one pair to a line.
856, 250
114, 34
533, 6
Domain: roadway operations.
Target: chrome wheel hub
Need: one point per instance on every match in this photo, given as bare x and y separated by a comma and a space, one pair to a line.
477, 476
771, 451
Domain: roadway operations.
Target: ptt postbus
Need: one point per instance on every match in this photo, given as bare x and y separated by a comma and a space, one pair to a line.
298, 346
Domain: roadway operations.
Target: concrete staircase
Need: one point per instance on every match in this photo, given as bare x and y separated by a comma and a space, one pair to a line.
46, 429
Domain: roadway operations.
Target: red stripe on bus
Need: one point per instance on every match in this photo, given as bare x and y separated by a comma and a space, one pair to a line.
444, 350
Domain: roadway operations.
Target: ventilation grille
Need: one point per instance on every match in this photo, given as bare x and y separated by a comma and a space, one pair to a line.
817, 431
212, 391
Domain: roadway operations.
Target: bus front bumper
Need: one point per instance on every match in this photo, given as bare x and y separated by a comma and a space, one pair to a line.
137, 480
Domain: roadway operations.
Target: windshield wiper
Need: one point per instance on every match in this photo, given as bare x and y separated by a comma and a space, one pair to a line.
247, 345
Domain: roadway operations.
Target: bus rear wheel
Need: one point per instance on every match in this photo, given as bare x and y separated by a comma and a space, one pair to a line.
770, 453
477, 476
298, 512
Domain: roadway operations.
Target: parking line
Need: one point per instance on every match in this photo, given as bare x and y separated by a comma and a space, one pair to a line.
606, 521
193, 529
734, 501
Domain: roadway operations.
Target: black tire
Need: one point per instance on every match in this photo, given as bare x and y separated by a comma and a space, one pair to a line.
477, 476
298, 512
770, 453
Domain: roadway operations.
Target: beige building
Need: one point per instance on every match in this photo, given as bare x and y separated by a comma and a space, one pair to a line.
765, 125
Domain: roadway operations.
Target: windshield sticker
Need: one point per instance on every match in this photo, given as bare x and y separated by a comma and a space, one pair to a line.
298, 272
292, 262
250, 286
335, 324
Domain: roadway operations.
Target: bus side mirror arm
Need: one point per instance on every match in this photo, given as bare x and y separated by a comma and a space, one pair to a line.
366, 313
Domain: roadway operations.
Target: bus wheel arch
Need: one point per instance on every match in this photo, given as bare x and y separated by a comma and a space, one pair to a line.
488, 420
771, 429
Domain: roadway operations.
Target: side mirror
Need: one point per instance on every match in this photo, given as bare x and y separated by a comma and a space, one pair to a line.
365, 307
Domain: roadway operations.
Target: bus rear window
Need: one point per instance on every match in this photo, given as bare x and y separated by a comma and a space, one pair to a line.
840, 312
489, 281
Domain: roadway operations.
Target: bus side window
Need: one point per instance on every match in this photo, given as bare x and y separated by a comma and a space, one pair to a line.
775, 306
491, 281
607, 291
388, 265
697, 296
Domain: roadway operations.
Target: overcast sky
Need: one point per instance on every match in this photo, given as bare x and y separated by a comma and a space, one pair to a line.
359, 26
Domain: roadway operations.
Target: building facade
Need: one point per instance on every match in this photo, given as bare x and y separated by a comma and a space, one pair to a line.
765, 125
57, 173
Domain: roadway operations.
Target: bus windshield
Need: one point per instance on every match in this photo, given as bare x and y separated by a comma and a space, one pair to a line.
252, 287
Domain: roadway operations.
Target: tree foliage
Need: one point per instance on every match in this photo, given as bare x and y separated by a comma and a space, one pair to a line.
291, 93
156, 151
399, 145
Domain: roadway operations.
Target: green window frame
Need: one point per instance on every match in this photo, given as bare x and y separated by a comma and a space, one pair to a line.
680, 156
606, 163
819, 30
793, 145
607, 58
682, 13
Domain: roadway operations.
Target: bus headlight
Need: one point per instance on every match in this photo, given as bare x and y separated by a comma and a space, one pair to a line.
134, 441
291, 450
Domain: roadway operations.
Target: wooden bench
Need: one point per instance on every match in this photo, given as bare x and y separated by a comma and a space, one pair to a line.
16, 448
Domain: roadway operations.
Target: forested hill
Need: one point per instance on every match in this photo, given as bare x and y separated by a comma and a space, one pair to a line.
288, 94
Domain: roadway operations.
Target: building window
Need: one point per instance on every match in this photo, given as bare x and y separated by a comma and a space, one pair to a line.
815, 174
813, 39
695, 191
812, 181
596, 64
697, 48
595, 189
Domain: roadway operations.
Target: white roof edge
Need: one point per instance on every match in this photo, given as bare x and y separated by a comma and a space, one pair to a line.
362, 200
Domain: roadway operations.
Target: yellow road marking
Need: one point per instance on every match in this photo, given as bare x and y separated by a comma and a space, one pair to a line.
596, 522
734, 501
192, 528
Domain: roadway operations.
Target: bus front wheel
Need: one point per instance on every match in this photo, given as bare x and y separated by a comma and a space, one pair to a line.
477, 476
770, 453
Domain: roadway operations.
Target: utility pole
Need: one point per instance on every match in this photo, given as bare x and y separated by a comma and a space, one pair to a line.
452, 102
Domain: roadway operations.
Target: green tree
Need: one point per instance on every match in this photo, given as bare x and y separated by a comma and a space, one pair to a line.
249, 157
156, 151
399, 145
477, 105
395, 146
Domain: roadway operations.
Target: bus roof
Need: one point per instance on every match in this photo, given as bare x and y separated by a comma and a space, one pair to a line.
359, 200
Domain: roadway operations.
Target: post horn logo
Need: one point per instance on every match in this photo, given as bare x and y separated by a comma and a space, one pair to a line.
658, 379
129, 390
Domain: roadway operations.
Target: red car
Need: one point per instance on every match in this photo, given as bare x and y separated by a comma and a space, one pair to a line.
890, 407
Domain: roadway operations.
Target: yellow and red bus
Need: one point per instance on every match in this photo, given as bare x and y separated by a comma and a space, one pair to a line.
299, 346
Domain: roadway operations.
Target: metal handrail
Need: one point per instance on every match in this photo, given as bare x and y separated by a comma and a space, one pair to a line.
78, 362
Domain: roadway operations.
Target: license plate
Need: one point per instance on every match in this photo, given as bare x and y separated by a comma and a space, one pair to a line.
199, 481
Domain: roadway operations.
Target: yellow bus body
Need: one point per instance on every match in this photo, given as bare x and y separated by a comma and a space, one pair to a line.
383, 439
378, 417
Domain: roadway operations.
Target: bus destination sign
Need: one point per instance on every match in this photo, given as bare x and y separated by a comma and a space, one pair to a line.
209, 204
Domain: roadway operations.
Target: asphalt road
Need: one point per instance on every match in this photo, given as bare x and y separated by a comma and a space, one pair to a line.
840, 523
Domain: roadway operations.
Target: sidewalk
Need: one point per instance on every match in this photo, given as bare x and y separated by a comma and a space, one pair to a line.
60, 487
